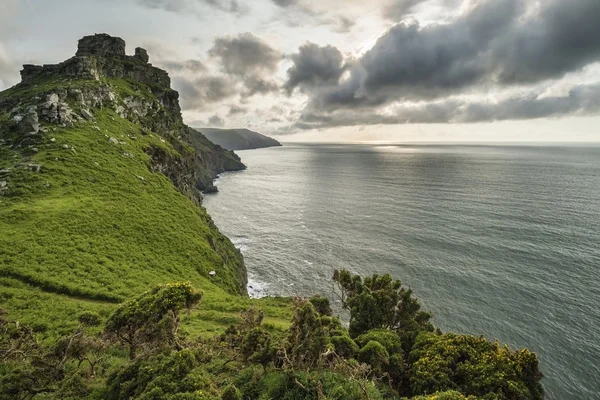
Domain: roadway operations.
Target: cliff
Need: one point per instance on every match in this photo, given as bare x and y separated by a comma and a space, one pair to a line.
238, 139
100, 185
101, 76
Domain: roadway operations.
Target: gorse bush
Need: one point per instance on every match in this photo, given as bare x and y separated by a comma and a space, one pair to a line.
152, 319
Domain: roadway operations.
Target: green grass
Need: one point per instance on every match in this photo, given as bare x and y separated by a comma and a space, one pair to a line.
95, 226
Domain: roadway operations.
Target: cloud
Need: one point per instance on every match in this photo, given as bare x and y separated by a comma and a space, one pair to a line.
297, 13
193, 66
236, 110
245, 54
314, 65
250, 59
192, 6
9, 70
580, 100
197, 93
257, 85
558, 38
396, 10
492, 45
216, 121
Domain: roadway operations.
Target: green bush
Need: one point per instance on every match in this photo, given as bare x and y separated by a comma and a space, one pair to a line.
152, 319
374, 354
344, 346
473, 366
231, 393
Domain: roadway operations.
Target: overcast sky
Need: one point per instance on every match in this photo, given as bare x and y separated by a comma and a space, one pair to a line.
347, 70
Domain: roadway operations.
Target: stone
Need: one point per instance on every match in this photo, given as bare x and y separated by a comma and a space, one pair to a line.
30, 125
212, 273
34, 167
113, 140
120, 110
3, 184
87, 114
142, 55
101, 45
66, 146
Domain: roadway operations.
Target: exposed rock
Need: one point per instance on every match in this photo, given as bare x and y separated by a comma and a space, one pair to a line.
211, 189
87, 114
29, 124
113, 140
142, 55
101, 45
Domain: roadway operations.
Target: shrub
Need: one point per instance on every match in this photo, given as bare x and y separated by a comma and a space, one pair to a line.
474, 366
152, 319
231, 393
344, 346
89, 318
379, 302
374, 354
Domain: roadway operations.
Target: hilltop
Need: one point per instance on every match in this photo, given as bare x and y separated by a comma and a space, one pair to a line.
238, 139
116, 284
100, 189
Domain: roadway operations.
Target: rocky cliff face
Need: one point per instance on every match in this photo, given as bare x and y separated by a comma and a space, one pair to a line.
101, 76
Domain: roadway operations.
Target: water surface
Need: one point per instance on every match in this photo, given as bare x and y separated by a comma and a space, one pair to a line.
498, 241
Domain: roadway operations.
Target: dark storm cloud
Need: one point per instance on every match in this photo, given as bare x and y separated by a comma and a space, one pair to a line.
493, 45
580, 100
414, 61
314, 65
196, 94
562, 36
245, 54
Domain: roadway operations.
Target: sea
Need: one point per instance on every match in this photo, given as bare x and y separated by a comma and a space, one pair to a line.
499, 241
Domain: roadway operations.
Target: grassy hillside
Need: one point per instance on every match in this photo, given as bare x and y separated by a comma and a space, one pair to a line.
90, 215
95, 226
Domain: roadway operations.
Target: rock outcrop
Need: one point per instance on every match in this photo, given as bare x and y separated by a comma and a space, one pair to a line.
101, 75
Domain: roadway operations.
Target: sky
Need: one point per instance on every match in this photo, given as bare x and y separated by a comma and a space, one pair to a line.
347, 70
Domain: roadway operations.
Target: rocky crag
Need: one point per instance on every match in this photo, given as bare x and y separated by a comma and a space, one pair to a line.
101, 76
97, 170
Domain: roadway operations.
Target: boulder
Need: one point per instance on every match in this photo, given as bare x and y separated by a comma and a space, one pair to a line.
87, 114
102, 45
142, 55
29, 124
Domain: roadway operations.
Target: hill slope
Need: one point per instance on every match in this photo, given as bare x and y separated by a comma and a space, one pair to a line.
99, 189
238, 139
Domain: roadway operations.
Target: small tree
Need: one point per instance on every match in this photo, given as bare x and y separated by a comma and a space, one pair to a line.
379, 302
152, 319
